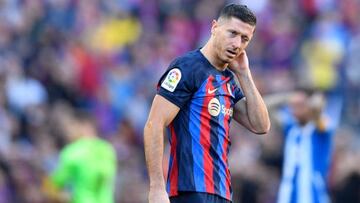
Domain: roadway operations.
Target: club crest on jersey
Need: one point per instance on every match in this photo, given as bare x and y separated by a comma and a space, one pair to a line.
230, 89
172, 80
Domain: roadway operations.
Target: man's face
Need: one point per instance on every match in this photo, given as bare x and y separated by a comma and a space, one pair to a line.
300, 107
231, 37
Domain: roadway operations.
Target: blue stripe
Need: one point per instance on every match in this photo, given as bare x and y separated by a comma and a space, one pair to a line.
220, 151
315, 196
294, 195
184, 160
214, 139
321, 155
168, 176
322, 152
197, 150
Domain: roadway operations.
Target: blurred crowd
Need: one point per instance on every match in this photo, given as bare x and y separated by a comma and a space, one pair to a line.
105, 57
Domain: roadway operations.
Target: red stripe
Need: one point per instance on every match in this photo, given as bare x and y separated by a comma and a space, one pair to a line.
205, 138
226, 139
174, 173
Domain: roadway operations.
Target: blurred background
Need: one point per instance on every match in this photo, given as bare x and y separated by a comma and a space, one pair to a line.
106, 57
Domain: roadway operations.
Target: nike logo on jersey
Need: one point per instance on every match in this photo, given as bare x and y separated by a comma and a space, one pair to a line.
210, 91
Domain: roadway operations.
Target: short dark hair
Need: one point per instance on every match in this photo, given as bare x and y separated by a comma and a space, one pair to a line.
84, 116
241, 12
308, 91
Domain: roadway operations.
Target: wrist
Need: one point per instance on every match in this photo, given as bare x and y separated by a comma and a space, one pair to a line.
241, 72
238, 68
159, 185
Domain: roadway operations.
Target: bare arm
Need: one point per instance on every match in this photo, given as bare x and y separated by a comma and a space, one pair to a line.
251, 112
161, 114
317, 103
241, 115
274, 102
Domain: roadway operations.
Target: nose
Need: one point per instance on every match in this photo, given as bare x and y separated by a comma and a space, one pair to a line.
237, 43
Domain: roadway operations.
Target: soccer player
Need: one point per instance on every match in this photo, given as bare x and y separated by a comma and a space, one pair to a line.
196, 99
307, 145
87, 166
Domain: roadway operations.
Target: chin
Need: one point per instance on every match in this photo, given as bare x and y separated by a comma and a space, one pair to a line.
226, 59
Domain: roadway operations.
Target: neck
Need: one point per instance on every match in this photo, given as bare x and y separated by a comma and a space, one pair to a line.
87, 133
91, 133
210, 55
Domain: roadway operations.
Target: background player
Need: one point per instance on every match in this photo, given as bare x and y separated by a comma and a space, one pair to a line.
307, 145
87, 166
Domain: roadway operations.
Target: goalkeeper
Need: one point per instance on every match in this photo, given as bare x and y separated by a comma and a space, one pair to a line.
87, 166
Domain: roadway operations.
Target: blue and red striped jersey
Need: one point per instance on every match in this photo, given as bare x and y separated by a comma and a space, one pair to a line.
199, 134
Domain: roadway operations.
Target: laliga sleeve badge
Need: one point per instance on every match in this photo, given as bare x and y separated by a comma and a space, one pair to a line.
172, 80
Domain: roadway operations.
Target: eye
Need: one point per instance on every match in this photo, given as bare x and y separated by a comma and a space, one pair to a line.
245, 38
232, 33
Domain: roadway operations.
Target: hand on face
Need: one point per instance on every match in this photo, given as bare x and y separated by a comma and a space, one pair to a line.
240, 63
230, 37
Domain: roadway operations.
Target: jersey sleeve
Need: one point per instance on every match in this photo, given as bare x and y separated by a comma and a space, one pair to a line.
176, 84
63, 171
235, 88
110, 164
238, 94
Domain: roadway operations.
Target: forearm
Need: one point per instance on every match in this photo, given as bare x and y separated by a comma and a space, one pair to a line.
256, 109
154, 149
276, 100
317, 103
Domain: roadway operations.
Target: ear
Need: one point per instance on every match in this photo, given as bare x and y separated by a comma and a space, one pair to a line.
214, 25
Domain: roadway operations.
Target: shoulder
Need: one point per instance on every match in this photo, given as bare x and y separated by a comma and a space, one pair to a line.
68, 153
228, 74
190, 62
107, 146
72, 148
286, 118
190, 57
187, 68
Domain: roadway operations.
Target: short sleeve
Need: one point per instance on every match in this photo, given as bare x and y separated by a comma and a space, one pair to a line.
235, 88
63, 172
176, 85
238, 94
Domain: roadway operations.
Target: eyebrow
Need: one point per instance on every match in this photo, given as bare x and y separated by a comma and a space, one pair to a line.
233, 30
237, 32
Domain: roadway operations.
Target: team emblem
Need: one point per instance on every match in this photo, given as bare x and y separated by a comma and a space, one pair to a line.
172, 80
229, 89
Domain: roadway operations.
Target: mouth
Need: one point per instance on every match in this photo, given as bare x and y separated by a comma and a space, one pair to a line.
231, 52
